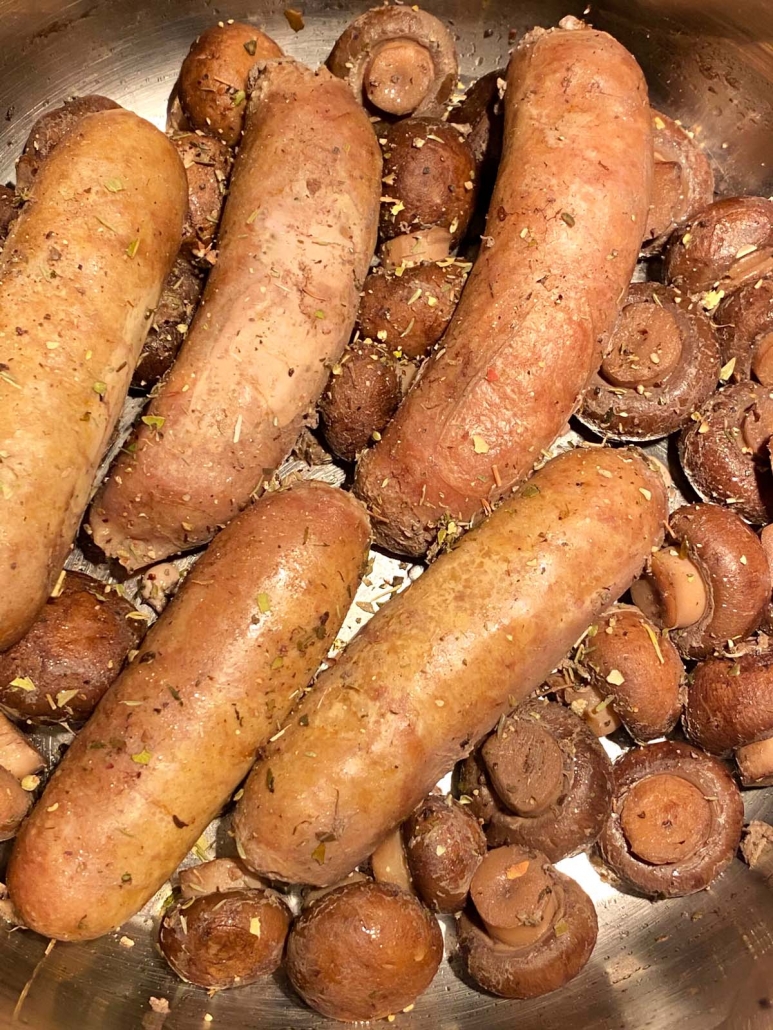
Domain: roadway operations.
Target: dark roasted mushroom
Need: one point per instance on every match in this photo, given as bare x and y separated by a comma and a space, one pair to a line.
676, 820
745, 325
662, 363
483, 111
532, 929
363, 951
712, 586
400, 60
729, 711
724, 451
9, 210
540, 780
207, 164
220, 876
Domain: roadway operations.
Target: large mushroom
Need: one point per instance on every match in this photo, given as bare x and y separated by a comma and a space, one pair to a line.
711, 586
530, 929
724, 451
729, 711
662, 362
399, 60
676, 820
541, 780
745, 325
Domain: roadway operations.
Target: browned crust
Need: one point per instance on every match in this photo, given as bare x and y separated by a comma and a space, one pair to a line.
730, 703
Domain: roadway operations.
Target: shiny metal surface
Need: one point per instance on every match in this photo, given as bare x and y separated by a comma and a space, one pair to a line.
702, 962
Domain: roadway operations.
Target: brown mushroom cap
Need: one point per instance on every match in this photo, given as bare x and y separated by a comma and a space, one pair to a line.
9, 210
630, 661
731, 561
207, 163
725, 455
662, 363
411, 311
361, 396
429, 176
213, 77
517, 889
745, 325
483, 109
725, 245
364, 951
225, 940
683, 180
535, 799
17, 755
220, 876
664, 838
174, 314
400, 60
15, 802
444, 845
72, 653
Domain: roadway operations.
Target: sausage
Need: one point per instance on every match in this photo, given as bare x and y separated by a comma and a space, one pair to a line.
432, 672
561, 242
298, 231
174, 735
80, 275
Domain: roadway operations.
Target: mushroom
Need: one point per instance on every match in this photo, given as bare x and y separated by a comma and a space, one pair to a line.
725, 245
745, 325
389, 862
363, 951
683, 181
71, 654
444, 846
662, 362
635, 669
676, 820
429, 179
207, 163
711, 586
225, 939
724, 451
483, 111
9, 210
411, 311
540, 780
15, 802
219, 876
159, 584
361, 396
729, 711
399, 60
532, 929
415, 248
19, 762
20, 758
171, 320
213, 78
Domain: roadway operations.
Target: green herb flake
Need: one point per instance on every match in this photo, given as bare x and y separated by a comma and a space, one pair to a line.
567, 218
251, 46
154, 421
113, 185
561, 927
142, 758
176, 695
99, 388
126, 878
133, 247
252, 216
277, 663
23, 683
97, 745
735, 670
270, 781
303, 721
264, 603
238, 98
318, 854
530, 491
319, 314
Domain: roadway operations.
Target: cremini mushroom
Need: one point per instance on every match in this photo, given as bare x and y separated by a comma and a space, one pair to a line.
169, 327
529, 928
219, 876
207, 162
745, 326
482, 111
676, 820
21, 758
398, 60
662, 362
711, 586
15, 802
19, 762
541, 780
724, 451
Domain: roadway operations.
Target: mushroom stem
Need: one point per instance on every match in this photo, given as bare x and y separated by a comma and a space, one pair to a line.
647, 347
389, 862
398, 76
672, 593
665, 819
591, 705
414, 247
755, 763
515, 897
526, 767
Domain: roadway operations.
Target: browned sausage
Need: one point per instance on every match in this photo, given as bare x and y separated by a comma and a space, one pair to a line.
432, 672
298, 231
562, 236
80, 275
173, 736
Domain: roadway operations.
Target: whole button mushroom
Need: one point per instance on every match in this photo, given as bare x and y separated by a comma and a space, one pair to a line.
744, 323
398, 60
725, 454
662, 363
729, 711
711, 586
363, 951
676, 820
529, 930
540, 780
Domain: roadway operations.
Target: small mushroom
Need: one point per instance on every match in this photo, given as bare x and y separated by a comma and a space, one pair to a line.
676, 820
363, 951
220, 876
745, 325
71, 654
729, 711
213, 78
444, 846
9, 210
389, 862
724, 451
170, 324
683, 181
532, 929
429, 179
411, 311
225, 940
20, 758
540, 780
662, 362
15, 802
399, 60
483, 111
711, 586
361, 396
725, 245
207, 163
